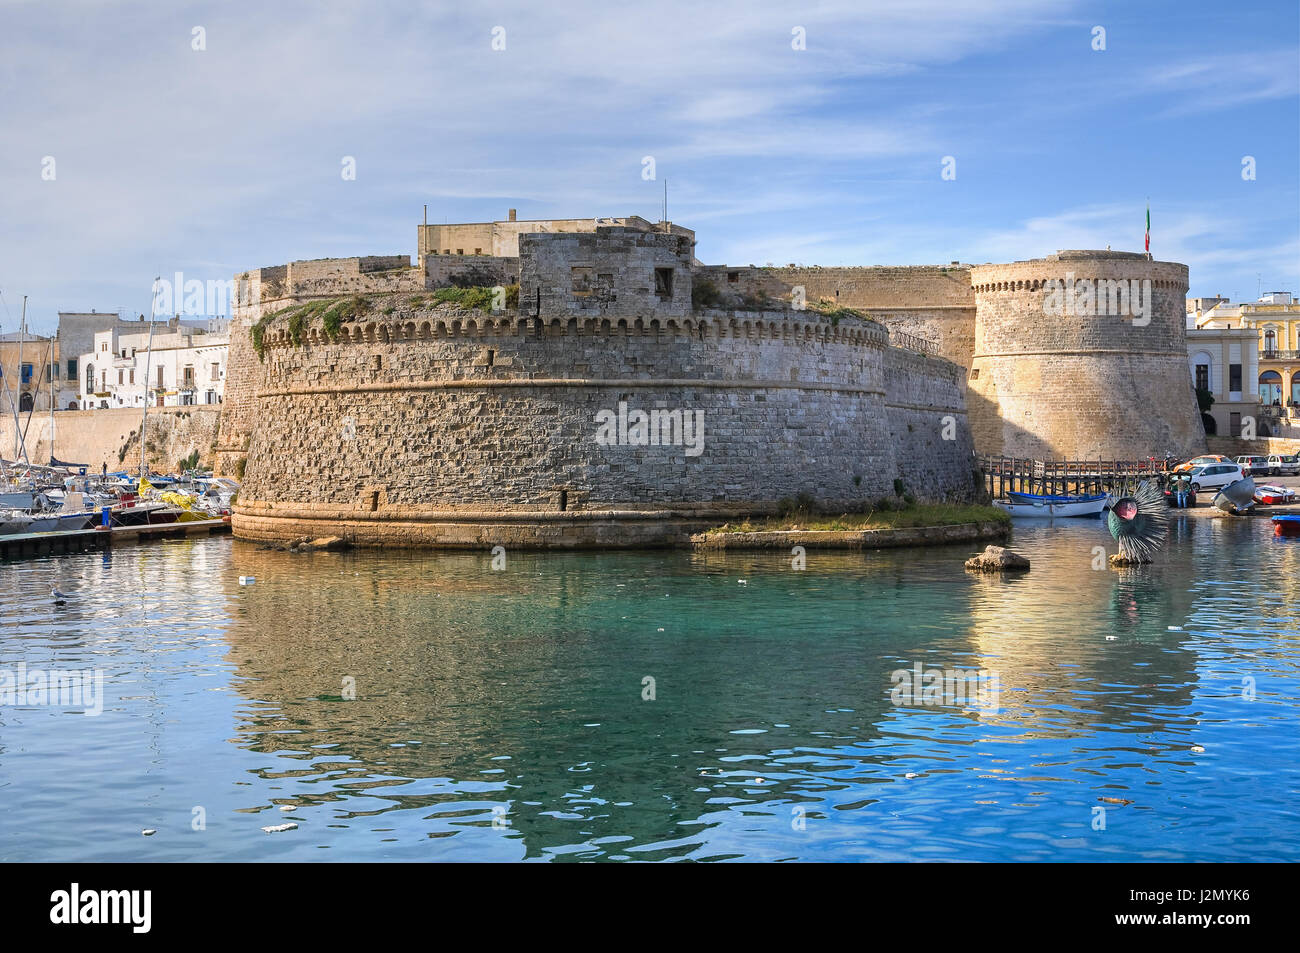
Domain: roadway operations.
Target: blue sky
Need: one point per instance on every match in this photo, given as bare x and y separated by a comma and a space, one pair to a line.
214, 161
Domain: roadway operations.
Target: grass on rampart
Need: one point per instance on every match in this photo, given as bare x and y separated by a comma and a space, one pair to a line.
332, 311
828, 309
908, 517
473, 297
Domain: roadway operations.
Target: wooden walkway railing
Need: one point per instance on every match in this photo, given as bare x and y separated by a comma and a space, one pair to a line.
1013, 474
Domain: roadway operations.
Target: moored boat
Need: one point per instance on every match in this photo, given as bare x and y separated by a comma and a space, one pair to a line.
1286, 525
1034, 506
58, 522
14, 522
1270, 494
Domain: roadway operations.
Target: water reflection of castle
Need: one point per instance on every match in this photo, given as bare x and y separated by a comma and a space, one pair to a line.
545, 665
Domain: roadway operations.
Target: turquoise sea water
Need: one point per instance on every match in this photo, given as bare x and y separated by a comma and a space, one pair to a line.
501, 715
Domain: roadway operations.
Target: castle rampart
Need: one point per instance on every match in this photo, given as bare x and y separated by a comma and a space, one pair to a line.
367, 407
453, 428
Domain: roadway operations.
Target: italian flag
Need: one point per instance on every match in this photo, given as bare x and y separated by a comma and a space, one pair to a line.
1148, 238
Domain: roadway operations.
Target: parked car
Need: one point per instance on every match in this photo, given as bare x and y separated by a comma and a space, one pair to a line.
1255, 465
1215, 476
1285, 464
1195, 462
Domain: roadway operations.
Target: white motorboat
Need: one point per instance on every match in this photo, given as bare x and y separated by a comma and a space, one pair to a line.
13, 522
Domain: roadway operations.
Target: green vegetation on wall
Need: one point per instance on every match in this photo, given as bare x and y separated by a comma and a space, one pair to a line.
334, 311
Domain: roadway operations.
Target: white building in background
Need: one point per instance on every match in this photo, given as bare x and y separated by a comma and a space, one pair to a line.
1223, 356
184, 366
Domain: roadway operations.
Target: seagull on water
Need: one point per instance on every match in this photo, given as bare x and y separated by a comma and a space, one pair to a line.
60, 598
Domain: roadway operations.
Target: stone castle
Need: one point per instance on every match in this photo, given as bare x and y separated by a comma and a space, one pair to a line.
459, 402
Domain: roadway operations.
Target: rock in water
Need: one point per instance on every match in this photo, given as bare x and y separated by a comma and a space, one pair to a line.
328, 543
997, 559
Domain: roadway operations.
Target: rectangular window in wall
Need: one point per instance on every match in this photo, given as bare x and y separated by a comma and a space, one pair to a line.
27, 374
1234, 378
1234, 424
664, 282
72, 368
1202, 377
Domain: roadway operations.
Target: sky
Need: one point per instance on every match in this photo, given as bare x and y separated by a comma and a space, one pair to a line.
144, 139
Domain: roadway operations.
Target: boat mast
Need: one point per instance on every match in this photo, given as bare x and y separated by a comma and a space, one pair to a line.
20, 445
54, 366
148, 358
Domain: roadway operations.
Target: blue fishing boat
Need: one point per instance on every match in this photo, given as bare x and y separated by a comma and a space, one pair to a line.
1286, 525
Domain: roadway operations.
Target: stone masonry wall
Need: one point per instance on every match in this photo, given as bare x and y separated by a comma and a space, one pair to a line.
1053, 386
932, 302
112, 437
613, 271
448, 427
928, 427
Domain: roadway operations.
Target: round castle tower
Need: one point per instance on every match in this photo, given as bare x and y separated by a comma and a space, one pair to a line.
1082, 355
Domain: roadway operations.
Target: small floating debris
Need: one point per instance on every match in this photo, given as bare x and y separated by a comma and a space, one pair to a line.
279, 828
149, 832
288, 807
661, 628
1198, 749
1174, 628
910, 774
1114, 800
743, 582
1111, 638
247, 580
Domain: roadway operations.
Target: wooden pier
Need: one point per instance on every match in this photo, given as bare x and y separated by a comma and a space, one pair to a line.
1011, 474
31, 545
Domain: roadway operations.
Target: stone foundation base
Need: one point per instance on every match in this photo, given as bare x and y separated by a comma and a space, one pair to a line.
610, 529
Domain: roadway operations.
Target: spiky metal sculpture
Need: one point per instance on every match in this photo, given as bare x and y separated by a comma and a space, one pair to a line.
1139, 520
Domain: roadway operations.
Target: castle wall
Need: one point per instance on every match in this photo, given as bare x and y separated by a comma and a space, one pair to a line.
925, 413
613, 271
441, 271
1051, 386
112, 437
932, 302
463, 429
266, 290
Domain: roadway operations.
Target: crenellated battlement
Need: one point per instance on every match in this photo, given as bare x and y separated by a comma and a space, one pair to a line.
794, 327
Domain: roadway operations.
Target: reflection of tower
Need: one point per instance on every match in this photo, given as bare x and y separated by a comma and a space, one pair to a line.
1082, 355
1061, 631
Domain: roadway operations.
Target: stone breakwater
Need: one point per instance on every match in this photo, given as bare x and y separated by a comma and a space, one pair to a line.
463, 429
854, 538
